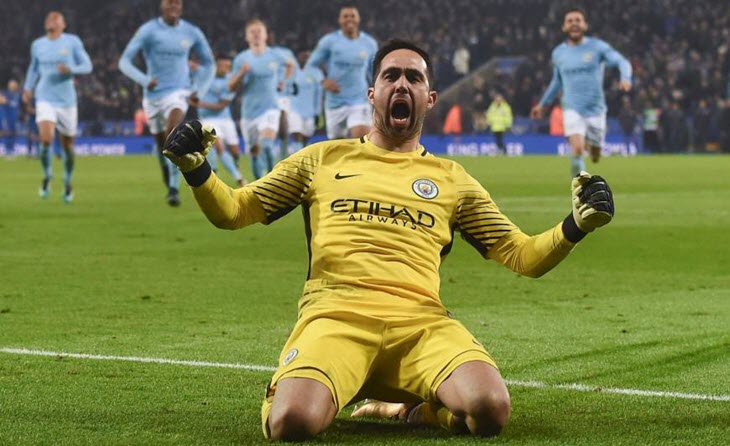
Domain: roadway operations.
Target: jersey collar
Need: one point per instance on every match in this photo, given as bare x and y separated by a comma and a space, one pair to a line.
369, 146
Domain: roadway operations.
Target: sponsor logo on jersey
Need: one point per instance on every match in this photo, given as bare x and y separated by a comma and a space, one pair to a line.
425, 188
291, 354
375, 212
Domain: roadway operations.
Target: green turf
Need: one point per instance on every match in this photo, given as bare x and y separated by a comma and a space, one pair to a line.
641, 304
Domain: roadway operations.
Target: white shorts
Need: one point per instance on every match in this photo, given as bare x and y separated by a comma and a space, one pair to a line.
158, 110
65, 118
284, 103
297, 124
593, 128
341, 119
225, 128
251, 129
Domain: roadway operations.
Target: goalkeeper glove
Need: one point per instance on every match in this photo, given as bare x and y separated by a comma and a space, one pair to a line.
188, 144
592, 202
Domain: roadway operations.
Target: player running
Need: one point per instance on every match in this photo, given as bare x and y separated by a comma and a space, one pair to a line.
346, 57
306, 103
285, 97
166, 43
379, 214
214, 110
54, 61
257, 70
578, 65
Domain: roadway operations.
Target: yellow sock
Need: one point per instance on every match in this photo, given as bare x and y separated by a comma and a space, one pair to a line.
432, 415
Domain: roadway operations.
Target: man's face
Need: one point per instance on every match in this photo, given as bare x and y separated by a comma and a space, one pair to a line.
401, 95
349, 20
223, 66
13, 85
302, 57
575, 25
55, 22
171, 10
256, 34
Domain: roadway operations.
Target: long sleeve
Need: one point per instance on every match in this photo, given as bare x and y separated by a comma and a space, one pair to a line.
553, 88
82, 60
614, 59
531, 256
483, 225
126, 61
206, 70
32, 75
320, 55
263, 201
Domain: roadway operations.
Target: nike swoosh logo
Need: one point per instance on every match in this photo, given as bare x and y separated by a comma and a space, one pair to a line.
339, 176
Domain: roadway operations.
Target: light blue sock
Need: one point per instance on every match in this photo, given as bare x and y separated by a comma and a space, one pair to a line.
267, 150
256, 165
230, 164
296, 146
46, 157
213, 160
68, 165
577, 164
174, 175
284, 146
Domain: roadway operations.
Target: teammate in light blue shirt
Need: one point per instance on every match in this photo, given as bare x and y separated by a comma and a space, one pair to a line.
257, 69
166, 43
285, 90
54, 61
346, 56
306, 102
578, 65
214, 109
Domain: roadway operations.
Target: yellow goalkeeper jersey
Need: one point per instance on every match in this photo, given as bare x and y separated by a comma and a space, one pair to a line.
381, 220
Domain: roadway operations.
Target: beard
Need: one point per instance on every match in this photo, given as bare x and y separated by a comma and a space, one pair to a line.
383, 124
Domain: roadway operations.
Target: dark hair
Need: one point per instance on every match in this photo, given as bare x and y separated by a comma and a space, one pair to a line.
399, 44
576, 9
223, 55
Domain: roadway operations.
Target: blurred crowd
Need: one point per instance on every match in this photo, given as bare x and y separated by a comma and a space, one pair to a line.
678, 48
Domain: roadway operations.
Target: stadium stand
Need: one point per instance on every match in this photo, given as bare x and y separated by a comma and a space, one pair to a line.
678, 49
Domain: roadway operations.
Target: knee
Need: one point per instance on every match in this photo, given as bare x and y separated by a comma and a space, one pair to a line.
296, 422
488, 413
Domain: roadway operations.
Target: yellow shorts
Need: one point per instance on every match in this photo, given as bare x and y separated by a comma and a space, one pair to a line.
358, 354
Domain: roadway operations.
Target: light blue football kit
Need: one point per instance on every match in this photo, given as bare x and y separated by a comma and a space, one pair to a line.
166, 50
578, 71
55, 94
306, 104
223, 123
259, 105
348, 62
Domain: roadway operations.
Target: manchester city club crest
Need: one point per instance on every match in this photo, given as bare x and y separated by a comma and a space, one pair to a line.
425, 189
185, 43
64, 51
363, 54
587, 57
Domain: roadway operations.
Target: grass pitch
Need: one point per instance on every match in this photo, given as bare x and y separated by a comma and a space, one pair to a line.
641, 304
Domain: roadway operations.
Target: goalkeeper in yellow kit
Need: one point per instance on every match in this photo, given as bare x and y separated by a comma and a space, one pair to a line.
380, 214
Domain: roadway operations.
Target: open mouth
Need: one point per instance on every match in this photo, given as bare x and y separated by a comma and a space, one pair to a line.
400, 111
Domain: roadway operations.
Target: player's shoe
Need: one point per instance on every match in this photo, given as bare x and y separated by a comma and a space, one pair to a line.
381, 409
45, 188
595, 153
68, 194
173, 197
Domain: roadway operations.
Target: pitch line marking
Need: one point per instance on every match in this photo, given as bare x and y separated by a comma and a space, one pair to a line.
263, 368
